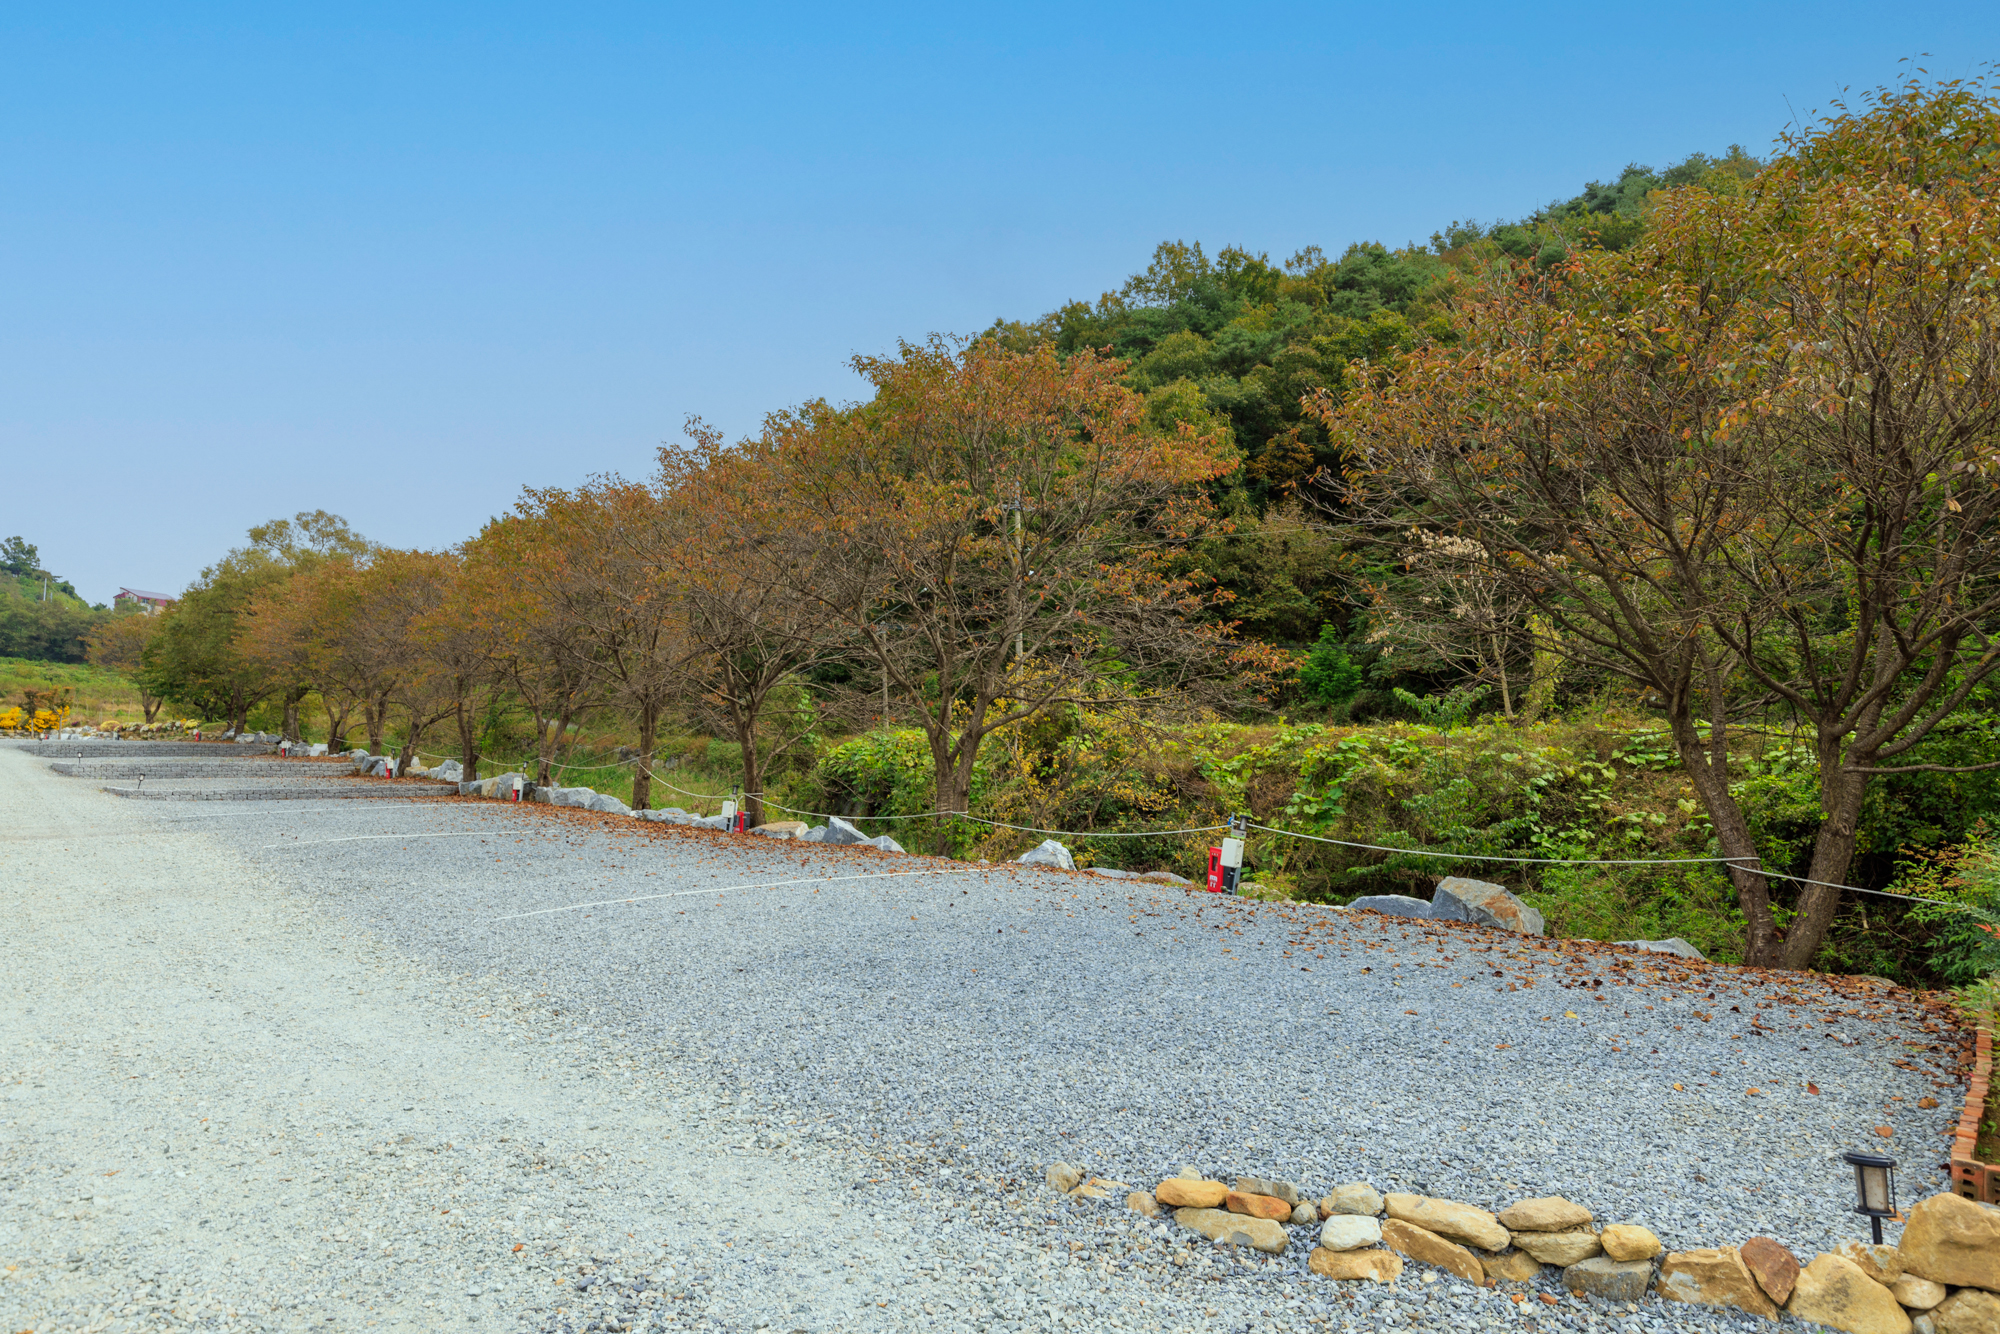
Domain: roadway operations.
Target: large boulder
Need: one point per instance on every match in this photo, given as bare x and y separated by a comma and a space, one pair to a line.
577, 798
1918, 1294
1356, 1197
1424, 1245
786, 828
1551, 1213
883, 843
608, 804
1234, 1229
1375, 1266
1952, 1240
1050, 853
1832, 1291
1672, 945
1347, 1232
1967, 1311
1612, 1280
1257, 1206
451, 771
1629, 1241
1283, 1190
1483, 904
1196, 1193
841, 833
1713, 1276
1513, 1266
1391, 905
1560, 1248
1449, 1218
1884, 1264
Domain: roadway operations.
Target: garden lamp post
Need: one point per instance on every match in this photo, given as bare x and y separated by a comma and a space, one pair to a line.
1874, 1187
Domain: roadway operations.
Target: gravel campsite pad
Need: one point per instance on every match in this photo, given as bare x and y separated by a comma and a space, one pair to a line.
458, 1064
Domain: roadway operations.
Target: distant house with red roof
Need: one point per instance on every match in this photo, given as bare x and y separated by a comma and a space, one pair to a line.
150, 603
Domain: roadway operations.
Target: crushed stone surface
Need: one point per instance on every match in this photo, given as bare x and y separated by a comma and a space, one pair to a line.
442, 1064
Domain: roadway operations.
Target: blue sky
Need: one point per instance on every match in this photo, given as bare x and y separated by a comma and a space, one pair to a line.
398, 262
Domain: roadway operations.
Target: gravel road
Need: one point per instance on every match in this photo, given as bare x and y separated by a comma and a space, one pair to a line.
442, 1064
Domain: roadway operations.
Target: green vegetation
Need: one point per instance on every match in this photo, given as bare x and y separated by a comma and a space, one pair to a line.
40, 614
100, 694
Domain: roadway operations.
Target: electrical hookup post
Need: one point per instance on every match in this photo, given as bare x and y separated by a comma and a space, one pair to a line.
1225, 864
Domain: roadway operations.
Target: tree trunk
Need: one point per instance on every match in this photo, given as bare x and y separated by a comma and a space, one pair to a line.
1840, 795
239, 712
753, 770
1710, 775
291, 725
468, 741
336, 727
376, 716
549, 744
412, 734
1500, 664
149, 703
642, 772
954, 788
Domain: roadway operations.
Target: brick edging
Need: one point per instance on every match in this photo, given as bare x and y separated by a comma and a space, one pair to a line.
1969, 1177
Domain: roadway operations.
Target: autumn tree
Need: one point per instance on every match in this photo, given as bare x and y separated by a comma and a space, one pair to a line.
316, 625
1748, 463
198, 656
545, 657
401, 594
993, 530
460, 652
597, 571
734, 556
120, 643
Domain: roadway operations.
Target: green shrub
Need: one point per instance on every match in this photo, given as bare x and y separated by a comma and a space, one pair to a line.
1328, 676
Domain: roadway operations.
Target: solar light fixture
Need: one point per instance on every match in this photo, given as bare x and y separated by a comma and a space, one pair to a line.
1874, 1187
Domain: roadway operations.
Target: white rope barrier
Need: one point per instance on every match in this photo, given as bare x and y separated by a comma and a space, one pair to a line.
1268, 829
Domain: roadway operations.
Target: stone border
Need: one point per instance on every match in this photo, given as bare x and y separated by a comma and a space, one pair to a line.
1976, 1181
346, 792
1943, 1274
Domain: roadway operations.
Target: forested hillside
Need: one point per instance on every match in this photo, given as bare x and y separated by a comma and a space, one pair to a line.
41, 616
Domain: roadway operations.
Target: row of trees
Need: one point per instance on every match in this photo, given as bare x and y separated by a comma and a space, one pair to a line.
993, 534
1739, 453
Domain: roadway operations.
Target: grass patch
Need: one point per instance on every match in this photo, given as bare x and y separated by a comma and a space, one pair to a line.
101, 694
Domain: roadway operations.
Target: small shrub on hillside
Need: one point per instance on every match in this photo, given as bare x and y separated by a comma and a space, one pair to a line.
1966, 914
1328, 677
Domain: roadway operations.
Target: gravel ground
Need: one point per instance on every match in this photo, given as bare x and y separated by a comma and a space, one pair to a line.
326, 1065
